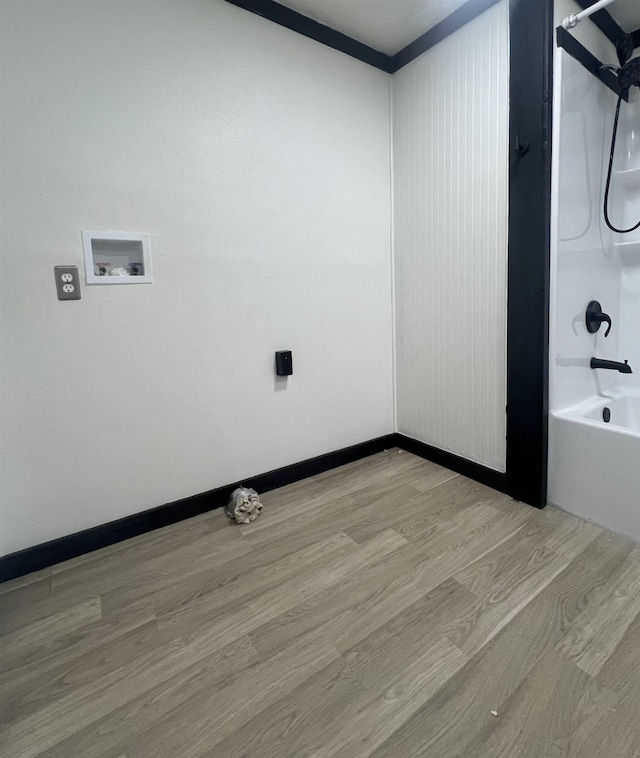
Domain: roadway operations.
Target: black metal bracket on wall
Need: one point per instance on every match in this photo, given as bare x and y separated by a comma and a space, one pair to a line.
576, 50
604, 21
607, 24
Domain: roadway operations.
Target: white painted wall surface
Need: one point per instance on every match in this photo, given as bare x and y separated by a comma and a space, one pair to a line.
258, 160
450, 132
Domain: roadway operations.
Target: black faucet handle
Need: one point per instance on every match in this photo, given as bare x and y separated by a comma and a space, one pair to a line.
595, 317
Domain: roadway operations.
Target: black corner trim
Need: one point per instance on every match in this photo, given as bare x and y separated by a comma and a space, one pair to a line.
636, 37
578, 51
440, 31
470, 469
530, 102
64, 548
604, 21
297, 22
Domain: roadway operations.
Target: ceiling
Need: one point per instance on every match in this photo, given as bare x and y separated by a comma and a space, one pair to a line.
390, 25
626, 13
385, 25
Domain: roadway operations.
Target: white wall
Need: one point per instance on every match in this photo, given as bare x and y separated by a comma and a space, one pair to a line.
258, 160
450, 125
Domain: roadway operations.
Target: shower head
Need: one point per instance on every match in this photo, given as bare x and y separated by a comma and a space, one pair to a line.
624, 48
629, 74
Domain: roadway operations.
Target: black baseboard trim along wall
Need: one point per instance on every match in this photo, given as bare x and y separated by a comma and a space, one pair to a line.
64, 548
73, 545
470, 469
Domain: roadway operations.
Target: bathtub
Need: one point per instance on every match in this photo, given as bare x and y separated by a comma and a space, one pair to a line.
594, 466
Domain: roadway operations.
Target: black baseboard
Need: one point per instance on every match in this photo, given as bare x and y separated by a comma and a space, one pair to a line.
73, 545
64, 548
470, 469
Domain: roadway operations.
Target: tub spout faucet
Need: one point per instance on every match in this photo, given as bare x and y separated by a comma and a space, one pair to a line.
623, 368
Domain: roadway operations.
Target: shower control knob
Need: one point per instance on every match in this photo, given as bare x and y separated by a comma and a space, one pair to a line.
594, 318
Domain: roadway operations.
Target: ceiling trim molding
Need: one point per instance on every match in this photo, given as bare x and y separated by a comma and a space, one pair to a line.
306, 26
454, 21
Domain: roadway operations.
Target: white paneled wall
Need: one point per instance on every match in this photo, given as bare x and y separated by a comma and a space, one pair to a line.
450, 141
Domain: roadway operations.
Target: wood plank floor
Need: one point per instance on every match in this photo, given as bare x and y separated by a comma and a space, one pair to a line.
387, 608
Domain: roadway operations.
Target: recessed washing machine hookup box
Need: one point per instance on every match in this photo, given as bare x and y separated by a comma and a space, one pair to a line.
116, 257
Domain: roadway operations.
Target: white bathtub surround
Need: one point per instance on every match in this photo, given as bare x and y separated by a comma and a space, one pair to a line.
622, 412
594, 467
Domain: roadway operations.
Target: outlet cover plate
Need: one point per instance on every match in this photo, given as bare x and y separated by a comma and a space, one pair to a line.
67, 282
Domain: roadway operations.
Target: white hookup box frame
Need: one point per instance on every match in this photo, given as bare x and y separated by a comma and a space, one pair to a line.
105, 251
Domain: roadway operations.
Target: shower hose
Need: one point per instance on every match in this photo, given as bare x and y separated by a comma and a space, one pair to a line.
606, 190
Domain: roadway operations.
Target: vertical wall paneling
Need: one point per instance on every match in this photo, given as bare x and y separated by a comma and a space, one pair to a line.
450, 137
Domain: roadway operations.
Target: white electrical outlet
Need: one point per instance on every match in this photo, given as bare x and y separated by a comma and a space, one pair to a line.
67, 282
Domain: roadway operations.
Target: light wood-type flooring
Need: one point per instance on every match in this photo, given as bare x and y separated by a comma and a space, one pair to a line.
389, 608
